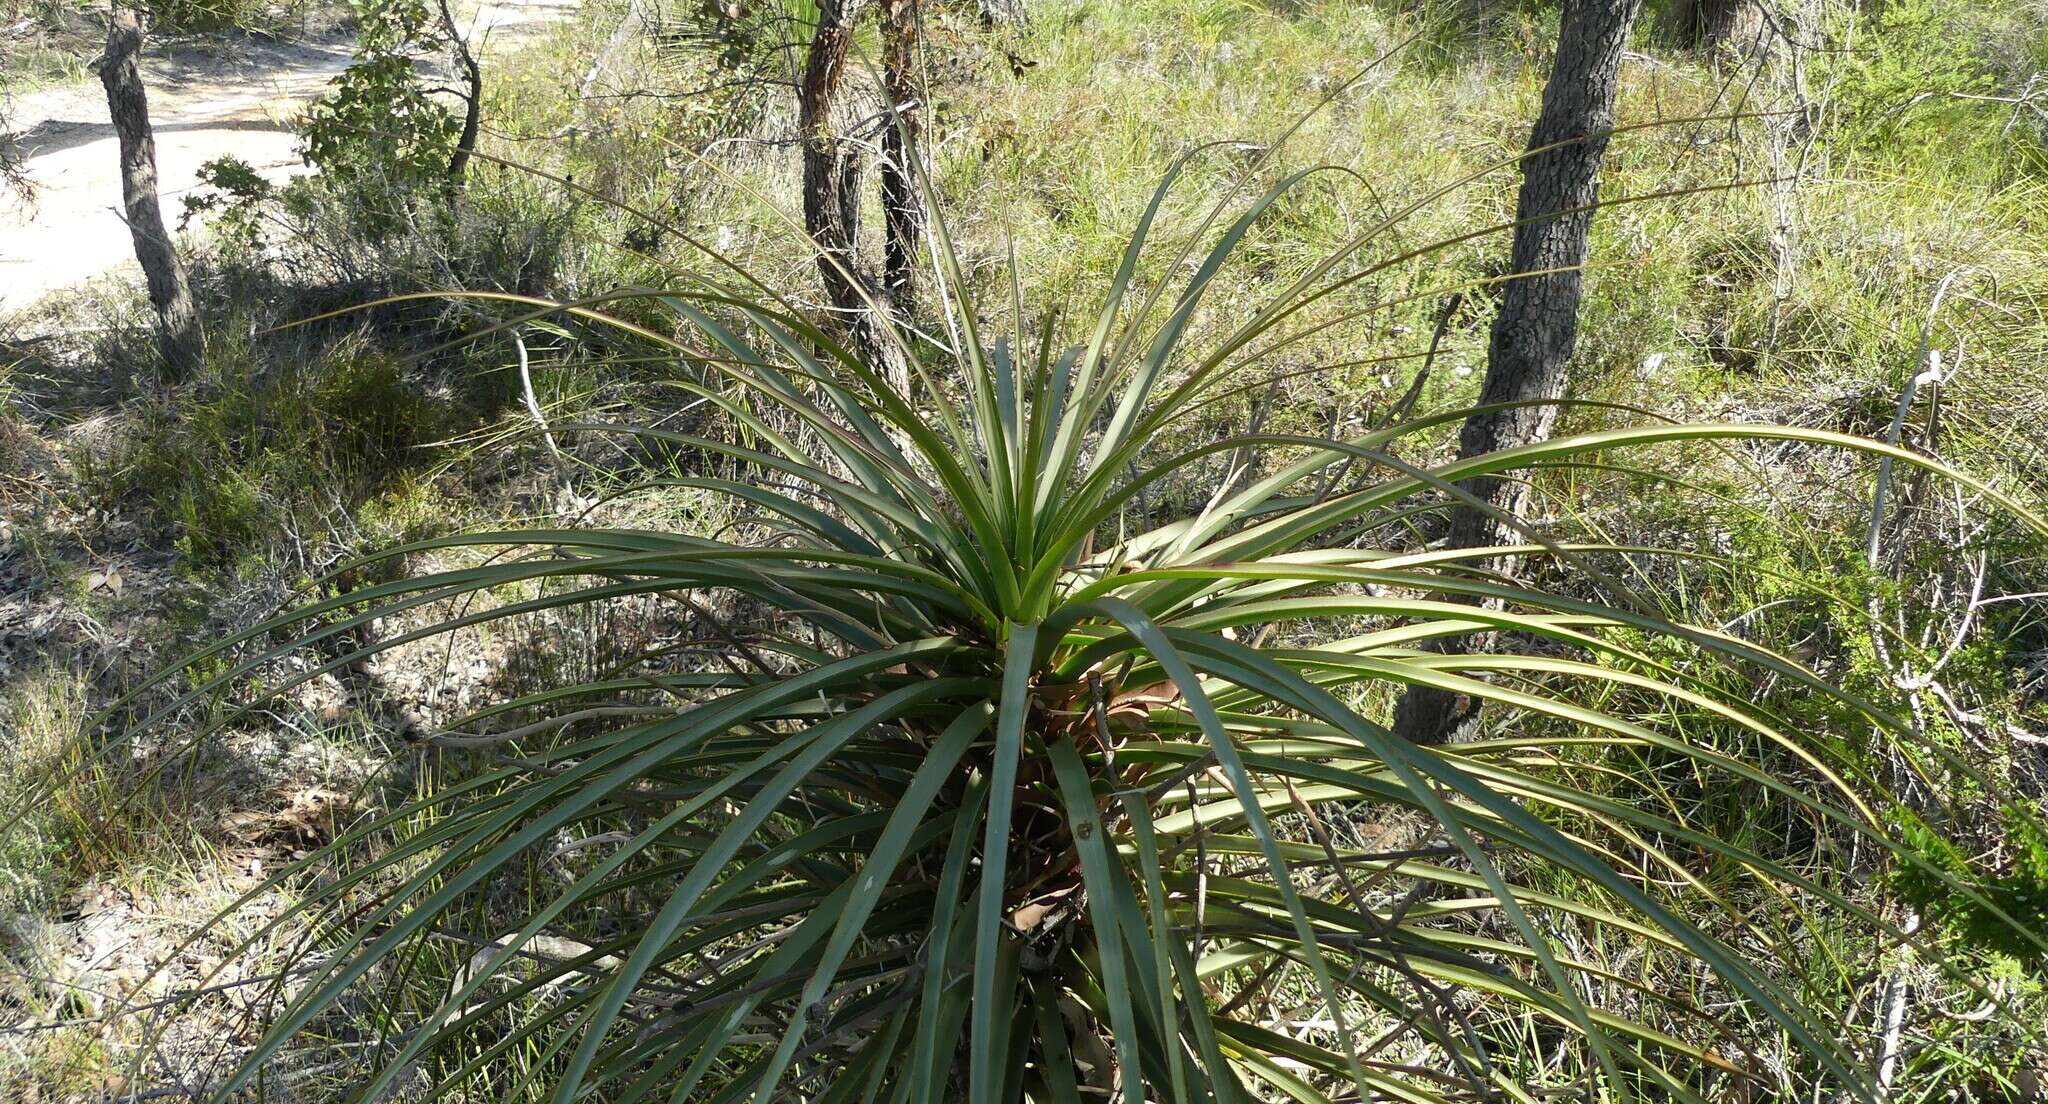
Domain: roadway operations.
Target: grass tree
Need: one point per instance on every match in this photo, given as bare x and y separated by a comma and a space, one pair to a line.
980, 783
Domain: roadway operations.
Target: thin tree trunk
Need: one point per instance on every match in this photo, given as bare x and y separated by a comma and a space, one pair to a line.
183, 343
902, 209
1537, 328
827, 165
831, 183
1711, 24
473, 102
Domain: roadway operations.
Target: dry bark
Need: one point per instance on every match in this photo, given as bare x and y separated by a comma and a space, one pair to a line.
1003, 13
1537, 328
831, 187
831, 171
179, 334
1739, 25
902, 206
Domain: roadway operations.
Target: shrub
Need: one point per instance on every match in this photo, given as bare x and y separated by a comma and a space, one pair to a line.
379, 132
1899, 78
970, 781
249, 454
260, 17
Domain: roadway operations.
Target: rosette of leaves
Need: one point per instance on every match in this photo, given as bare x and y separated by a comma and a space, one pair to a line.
975, 784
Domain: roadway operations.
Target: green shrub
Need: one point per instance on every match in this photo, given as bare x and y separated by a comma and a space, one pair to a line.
1897, 80
975, 783
2016, 884
251, 453
227, 16
379, 133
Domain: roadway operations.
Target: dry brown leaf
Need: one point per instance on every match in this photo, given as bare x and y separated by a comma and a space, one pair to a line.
1028, 915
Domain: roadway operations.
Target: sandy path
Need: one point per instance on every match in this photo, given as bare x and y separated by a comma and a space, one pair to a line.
206, 100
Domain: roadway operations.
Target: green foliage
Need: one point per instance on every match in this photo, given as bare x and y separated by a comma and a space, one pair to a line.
201, 16
34, 710
747, 39
1906, 63
48, 40
1709, 815
743, 56
1965, 899
233, 203
227, 468
978, 783
378, 132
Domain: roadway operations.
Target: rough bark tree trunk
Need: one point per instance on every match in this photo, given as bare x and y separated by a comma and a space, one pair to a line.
902, 207
1537, 327
1003, 13
829, 167
1739, 25
831, 185
179, 335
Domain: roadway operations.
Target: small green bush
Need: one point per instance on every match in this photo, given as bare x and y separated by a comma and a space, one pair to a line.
1970, 900
379, 133
225, 466
1898, 80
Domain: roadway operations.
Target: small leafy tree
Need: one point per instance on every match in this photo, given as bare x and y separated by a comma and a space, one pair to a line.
235, 197
380, 132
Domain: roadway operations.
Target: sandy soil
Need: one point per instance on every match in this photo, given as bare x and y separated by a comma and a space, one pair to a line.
207, 100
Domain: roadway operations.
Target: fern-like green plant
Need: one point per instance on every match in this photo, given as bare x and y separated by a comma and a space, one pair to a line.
981, 790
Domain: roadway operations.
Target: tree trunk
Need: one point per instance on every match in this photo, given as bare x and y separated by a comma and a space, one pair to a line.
183, 344
1537, 328
902, 209
1003, 13
473, 103
830, 171
1739, 25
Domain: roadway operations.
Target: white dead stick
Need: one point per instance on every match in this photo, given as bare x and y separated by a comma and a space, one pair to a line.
1933, 374
1884, 466
533, 403
1894, 1000
547, 949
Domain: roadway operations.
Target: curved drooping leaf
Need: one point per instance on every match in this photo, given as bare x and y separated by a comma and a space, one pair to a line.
986, 789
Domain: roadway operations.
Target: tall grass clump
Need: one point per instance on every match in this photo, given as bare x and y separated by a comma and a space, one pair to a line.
252, 452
